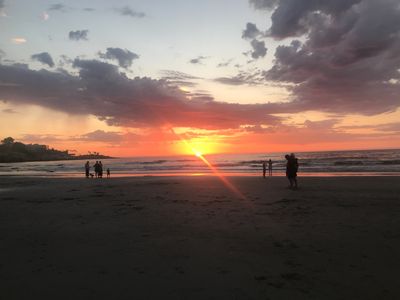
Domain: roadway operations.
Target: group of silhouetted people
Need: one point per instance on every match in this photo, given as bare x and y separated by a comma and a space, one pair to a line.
292, 166
98, 170
269, 168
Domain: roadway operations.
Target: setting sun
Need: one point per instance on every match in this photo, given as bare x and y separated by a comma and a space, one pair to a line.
197, 153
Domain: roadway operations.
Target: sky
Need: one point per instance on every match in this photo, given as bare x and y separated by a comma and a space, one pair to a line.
154, 77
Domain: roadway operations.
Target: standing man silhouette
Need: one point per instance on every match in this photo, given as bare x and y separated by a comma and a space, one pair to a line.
264, 168
87, 169
270, 167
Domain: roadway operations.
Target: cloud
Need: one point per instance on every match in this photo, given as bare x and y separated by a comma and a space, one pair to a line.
388, 127
97, 136
251, 32
65, 60
111, 137
19, 40
290, 17
250, 78
179, 78
2, 13
101, 90
225, 63
198, 60
264, 4
9, 111
307, 133
259, 49
78, 35
347, 60
234, 80
40, 138
123, 56
128, 11
177, 75
57, 7
2, 54
44, 58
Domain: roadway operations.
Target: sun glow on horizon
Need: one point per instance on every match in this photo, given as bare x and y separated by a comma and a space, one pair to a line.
197, 153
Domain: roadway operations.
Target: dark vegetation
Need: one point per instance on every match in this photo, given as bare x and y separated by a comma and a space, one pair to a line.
12, 151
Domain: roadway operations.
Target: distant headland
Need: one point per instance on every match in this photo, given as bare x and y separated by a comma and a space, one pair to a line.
12, 151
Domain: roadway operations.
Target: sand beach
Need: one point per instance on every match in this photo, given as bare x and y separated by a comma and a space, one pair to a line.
194, 238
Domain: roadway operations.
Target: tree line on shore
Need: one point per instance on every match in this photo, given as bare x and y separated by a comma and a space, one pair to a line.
13, 151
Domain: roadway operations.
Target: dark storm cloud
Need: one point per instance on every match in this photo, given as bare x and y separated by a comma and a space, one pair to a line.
128, 11
44, 58
78, 35
251, 31
123, 56
2, 4
100, 89
259, 49
289, 17
348, 61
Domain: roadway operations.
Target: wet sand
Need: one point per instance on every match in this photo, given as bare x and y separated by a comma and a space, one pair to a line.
193, 238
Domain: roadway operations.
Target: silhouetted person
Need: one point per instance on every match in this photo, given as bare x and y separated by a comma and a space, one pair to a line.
270, 167
100, 170
108, 173
292, 166
96, 169
87, 169
264, 168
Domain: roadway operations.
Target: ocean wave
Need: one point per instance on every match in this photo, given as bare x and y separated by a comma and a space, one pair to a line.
345, 161
348, 163
390, 162
153, 162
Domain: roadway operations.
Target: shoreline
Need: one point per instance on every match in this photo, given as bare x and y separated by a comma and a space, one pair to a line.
205, 174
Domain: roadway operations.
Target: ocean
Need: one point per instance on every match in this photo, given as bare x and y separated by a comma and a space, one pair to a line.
326, 163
